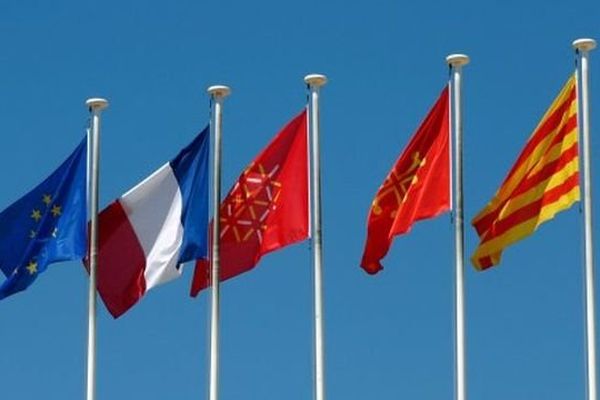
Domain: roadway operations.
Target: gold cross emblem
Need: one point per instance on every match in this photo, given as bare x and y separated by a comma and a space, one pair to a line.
398, 184
252, 199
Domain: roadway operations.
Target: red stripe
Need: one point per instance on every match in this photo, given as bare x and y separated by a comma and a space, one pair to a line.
121, 261
533, 209
547, 171
565, 129
485, 263
484, 223
544, 130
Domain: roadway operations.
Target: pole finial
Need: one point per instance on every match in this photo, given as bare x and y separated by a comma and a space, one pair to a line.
584, 44
457, 60
219, 91
96, 103
315, 80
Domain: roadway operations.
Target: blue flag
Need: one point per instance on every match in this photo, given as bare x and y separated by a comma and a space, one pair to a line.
46, 225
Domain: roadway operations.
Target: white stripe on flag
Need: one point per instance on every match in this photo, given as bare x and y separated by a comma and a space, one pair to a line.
154, 210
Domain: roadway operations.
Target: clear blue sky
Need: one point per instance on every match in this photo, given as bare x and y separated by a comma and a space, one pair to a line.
388, 336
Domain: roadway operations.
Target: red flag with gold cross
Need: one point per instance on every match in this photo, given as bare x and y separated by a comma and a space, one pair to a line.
266, 209
417, 187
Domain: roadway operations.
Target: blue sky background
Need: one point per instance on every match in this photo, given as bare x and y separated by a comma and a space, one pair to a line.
388, 336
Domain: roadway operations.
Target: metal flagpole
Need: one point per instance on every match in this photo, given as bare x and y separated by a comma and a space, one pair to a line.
218, 94
95, 106
314, 82
456, 62
583, 46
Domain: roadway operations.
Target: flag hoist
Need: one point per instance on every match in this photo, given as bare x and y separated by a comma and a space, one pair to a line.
218, 94
417, 188
582, 48
95, 105
314, 83
266, 209
544, 181
456, 62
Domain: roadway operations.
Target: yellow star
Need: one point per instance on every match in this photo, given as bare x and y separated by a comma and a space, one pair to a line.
32, 267
55, 210
36, 215
32, 234
47, 199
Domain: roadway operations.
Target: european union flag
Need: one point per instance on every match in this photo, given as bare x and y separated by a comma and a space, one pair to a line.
46, 225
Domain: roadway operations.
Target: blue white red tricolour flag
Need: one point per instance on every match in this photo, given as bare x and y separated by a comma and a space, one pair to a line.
146, 234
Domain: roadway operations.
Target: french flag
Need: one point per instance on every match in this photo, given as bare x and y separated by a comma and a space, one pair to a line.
146, 234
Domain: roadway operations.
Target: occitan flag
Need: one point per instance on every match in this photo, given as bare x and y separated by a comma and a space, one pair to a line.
543, 182
266, 209
417, 187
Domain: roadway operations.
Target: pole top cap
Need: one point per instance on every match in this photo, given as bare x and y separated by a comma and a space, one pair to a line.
315, 80
584, 44
219, 90
96, 103
457, 60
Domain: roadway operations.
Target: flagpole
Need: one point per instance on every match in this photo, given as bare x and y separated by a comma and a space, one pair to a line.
583, 46
456, 62
95, 105
314, 82
218, 94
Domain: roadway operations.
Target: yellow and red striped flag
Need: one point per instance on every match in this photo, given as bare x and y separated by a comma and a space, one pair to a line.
543, 182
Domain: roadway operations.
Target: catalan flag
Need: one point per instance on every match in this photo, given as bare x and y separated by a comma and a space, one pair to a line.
543, 182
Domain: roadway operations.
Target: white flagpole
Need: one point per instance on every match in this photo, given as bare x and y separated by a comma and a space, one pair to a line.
95, 106
218, 94
456, 62
314, 82
583, 46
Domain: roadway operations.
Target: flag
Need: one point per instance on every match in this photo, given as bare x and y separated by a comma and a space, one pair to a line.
266, 209
417, 187
543, 181
46, 225
146, 234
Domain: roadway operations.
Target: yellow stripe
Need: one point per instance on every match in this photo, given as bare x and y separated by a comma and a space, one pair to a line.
558, 176
508, 187
561, 98
555, 152
534, 157
536, 192
526, 228
530, 163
